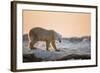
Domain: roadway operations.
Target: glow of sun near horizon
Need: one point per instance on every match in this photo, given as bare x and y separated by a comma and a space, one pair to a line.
68, 24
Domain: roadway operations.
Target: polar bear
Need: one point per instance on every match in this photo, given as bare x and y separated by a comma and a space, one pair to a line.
41, 34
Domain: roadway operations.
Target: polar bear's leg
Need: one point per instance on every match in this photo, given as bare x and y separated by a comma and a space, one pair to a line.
47, 45
54, 46
31, 44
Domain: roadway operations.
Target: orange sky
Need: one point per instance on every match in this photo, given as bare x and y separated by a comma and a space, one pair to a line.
67, 24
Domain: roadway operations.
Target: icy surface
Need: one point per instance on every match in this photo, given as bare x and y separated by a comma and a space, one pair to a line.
66, 47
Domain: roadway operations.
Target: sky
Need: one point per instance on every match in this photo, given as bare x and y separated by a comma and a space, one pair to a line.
68, 24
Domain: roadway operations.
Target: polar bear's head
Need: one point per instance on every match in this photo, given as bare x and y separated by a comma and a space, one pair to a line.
58, 37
